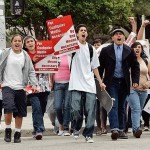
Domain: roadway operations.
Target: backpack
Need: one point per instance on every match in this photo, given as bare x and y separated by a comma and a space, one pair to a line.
90, 51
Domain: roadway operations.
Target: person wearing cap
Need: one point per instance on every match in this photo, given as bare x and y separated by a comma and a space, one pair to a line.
119, 62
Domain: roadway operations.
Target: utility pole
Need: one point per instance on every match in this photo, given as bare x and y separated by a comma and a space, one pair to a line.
2, 25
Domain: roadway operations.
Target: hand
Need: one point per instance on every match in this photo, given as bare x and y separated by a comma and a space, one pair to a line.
145, 23
60, 16
146, 85
132, 20
103, 86
135, 85
35, 58
35, 89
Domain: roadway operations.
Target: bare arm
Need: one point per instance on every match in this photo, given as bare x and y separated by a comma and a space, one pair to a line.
142, 28
133, 24
96, 73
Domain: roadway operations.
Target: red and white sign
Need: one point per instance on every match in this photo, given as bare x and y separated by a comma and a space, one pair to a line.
47, 62
63, 35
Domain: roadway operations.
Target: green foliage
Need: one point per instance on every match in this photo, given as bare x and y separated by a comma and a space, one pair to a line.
98, 15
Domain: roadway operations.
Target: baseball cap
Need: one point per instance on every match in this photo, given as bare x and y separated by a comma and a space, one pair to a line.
117, 30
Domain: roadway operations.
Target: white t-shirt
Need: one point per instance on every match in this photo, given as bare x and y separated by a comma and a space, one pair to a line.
82, 77
13, 76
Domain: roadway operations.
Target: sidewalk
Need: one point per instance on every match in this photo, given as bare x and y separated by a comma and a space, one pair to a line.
27, 125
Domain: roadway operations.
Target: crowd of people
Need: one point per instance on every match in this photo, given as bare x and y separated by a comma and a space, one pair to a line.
121, 70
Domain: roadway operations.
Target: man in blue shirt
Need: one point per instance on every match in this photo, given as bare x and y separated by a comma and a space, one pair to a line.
119, 62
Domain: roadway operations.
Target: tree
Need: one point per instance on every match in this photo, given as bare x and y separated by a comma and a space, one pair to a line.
98, 15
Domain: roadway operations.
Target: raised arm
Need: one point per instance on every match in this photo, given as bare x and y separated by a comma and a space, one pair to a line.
142, 28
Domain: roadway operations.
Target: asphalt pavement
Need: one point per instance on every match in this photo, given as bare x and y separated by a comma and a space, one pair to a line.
51, 141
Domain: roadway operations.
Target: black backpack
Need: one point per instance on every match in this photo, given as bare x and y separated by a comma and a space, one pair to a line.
90, 51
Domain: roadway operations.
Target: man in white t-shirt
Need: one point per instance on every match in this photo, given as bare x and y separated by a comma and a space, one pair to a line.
82, 86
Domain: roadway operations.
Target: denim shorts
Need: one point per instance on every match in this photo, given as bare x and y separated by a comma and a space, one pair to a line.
14, 101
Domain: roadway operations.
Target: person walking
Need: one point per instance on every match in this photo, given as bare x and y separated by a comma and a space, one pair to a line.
15, 70
82, 85
116, 60
139, 94
62, 98
38, 100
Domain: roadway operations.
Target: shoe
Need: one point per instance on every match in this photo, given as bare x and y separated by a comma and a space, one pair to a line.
8, 132
114, 135
146, 128
129, 130
66, 133
122, 135
17, 136
39, 136
137, 133
56, 130
76, 134
104, 131
60, 133
89, 140
98, 132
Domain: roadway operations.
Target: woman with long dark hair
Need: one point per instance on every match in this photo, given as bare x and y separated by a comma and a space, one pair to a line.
139, 94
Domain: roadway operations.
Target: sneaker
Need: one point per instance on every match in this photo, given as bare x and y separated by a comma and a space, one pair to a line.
66, 133
60, 133
114, 135
89, 140
146, 128
76, 134
39, 136
137, 133
17, 136
56, 130
130, 130
8, 132
122, 135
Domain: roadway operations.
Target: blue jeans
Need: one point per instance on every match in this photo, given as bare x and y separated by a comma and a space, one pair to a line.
118, 91
62, 102
136, 101
38, 103
83, 102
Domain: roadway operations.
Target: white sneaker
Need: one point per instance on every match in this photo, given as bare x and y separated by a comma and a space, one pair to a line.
89, 140
76, 134
130, 130
66, 133
60, 133
146, 128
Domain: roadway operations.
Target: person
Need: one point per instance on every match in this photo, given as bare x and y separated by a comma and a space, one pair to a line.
82, 86
145, 115
116, 60
62, 99
139, 94
97, 43
101, 113
15, 70
38, 100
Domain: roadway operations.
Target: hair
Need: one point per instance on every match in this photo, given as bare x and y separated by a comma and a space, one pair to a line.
25, 39
97, 41
79, 26
143, 55
15, 36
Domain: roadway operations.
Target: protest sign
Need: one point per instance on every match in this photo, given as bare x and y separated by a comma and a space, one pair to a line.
47, 62
63, 35
147, 107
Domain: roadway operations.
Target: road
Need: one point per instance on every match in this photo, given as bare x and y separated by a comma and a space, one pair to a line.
69, 143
